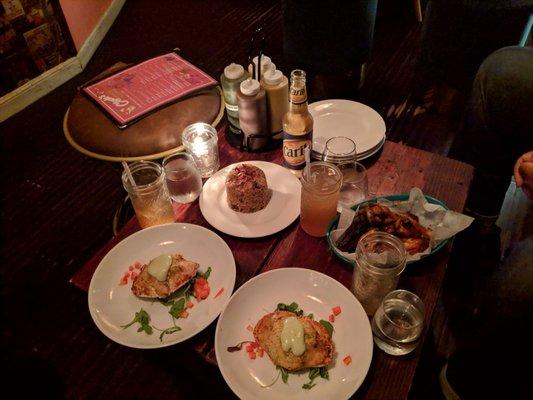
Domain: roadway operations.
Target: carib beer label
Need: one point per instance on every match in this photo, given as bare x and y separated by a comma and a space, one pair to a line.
294, 147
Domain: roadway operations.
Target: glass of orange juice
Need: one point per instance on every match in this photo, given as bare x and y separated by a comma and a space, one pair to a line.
149, 195
320, 194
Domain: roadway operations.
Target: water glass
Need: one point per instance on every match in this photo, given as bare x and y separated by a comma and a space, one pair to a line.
398, 322
183, 179
320, 194
201, 141
149, 195
380, 258
341, 151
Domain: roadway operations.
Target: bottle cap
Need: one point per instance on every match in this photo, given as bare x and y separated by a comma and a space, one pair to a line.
273, 77
233, 71
250, 87
265, 61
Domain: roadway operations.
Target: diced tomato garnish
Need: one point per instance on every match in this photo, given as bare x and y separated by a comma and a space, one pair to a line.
250, 328
201, 289
123, 281
332, 318
336, 310
134, 274
130, 268
260, 352
184, 314
254, 345
219, 292
347, 360
190, 304
251, 355
249, 348
138, 265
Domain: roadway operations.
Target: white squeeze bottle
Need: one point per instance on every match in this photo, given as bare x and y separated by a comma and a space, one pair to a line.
276, 86
230, 80
266, 65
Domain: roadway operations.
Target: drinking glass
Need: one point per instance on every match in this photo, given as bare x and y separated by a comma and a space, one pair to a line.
380, 258
183, 179
341, 151
149, 195
398, 322
320, 194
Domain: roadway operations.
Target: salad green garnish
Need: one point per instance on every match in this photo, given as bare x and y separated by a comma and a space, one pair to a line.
284, 374
315, 373
328, 326
293, 307
143, 319
176, 302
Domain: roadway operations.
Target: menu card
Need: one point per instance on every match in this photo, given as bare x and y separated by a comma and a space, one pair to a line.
132, 93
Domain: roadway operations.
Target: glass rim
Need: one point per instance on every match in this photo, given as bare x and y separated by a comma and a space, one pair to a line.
362, 172
338, 182
198, 127
171, 156
340, 155
419, 306
392, 271
140, 165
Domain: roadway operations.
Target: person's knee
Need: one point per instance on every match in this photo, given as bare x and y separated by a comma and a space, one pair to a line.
507, 66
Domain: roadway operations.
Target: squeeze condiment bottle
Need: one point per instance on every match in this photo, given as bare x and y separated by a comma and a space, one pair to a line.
230, 80
276, 86
251, 100
266, 65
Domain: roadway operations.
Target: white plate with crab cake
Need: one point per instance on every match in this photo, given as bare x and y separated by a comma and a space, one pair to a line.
293, 333
251, 199
159, 286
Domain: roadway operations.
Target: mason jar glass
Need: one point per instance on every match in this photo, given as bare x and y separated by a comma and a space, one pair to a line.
380, 258
149, 195
201, 141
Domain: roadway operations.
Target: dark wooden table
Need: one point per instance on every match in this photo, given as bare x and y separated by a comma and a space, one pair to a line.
398, 169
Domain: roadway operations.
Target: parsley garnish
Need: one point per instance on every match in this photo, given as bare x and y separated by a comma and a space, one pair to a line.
284, 374
169, 331
205, 274
328, 326
177, 308
315, 373
143, 319
293, 307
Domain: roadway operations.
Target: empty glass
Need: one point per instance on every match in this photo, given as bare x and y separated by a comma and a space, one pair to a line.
183, 179
341, 151
398, 322
380, 258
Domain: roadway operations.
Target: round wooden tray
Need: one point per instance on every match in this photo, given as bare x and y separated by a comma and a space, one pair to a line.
155, 136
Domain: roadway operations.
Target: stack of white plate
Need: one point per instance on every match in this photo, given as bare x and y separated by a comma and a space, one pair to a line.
347, 118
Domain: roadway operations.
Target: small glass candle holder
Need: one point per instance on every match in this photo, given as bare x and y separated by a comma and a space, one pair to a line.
201, 142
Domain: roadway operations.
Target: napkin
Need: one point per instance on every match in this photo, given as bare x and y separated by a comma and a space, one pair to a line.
444, 223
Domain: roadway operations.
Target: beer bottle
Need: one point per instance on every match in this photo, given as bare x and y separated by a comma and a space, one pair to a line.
297, 125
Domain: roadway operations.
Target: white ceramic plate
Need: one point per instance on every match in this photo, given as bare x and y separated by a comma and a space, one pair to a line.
315, 293
280, 212
112, 305
346, 118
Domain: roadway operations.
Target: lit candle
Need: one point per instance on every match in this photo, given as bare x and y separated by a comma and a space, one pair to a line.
201, 141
